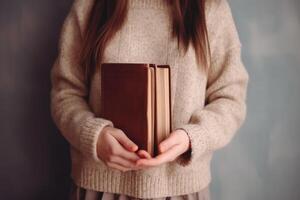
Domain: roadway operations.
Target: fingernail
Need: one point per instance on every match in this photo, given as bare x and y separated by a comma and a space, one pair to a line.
134, 147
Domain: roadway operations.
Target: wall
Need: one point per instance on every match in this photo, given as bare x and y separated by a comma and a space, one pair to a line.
34, 156
263, 160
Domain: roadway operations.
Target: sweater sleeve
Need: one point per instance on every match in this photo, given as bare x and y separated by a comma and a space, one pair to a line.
70, 110
213, 126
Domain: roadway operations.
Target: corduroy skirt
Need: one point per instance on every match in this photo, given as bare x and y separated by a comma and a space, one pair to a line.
79, 193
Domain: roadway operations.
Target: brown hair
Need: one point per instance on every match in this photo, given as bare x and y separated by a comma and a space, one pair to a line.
107, 16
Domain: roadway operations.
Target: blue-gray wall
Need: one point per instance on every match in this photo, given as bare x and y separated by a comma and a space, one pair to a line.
263, 160
261, 163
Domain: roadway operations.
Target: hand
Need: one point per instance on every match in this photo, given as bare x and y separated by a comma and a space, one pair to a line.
116, 150
176, 144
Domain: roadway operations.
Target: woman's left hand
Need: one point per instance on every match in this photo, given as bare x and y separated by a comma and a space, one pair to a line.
169, 149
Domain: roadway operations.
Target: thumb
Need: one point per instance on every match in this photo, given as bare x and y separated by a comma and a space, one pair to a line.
125, 141
167, 143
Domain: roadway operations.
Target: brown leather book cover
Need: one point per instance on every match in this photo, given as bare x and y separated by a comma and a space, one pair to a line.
129, 99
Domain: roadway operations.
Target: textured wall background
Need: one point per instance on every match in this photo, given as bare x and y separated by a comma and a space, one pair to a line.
262, 161
34, 156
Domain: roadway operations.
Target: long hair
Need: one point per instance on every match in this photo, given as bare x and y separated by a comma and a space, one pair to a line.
107, 17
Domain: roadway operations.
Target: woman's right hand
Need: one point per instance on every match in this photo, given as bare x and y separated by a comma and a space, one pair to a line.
116, 150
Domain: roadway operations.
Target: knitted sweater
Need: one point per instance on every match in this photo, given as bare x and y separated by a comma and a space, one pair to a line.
209, 106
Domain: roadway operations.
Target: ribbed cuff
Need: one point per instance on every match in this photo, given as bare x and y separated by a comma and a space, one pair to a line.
90, 131
198, 144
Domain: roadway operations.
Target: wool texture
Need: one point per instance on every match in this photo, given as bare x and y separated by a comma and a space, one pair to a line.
210, 106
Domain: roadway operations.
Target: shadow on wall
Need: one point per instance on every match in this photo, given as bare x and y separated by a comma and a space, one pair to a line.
35, 162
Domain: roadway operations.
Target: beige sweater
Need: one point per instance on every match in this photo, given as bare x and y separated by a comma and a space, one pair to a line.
209, 107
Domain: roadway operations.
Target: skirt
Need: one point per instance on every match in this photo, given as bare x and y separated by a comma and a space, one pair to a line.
79, 193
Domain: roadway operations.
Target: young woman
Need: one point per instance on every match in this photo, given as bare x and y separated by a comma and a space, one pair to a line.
199, 40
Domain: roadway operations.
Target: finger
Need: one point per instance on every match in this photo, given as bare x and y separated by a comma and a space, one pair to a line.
119, 150
118, 167
121, 161
168, 143
167, 156
124, 140
132, 156
125, 164
144, 154
142, 167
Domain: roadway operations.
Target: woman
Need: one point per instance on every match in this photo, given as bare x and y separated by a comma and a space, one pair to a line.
199, 40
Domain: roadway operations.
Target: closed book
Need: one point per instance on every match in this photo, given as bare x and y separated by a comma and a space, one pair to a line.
136, 97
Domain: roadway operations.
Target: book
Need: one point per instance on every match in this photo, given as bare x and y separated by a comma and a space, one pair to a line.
136, 97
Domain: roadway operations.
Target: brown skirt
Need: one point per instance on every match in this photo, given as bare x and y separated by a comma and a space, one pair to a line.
79, 193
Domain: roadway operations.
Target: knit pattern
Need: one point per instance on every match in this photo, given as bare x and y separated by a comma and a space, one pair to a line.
210, 107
